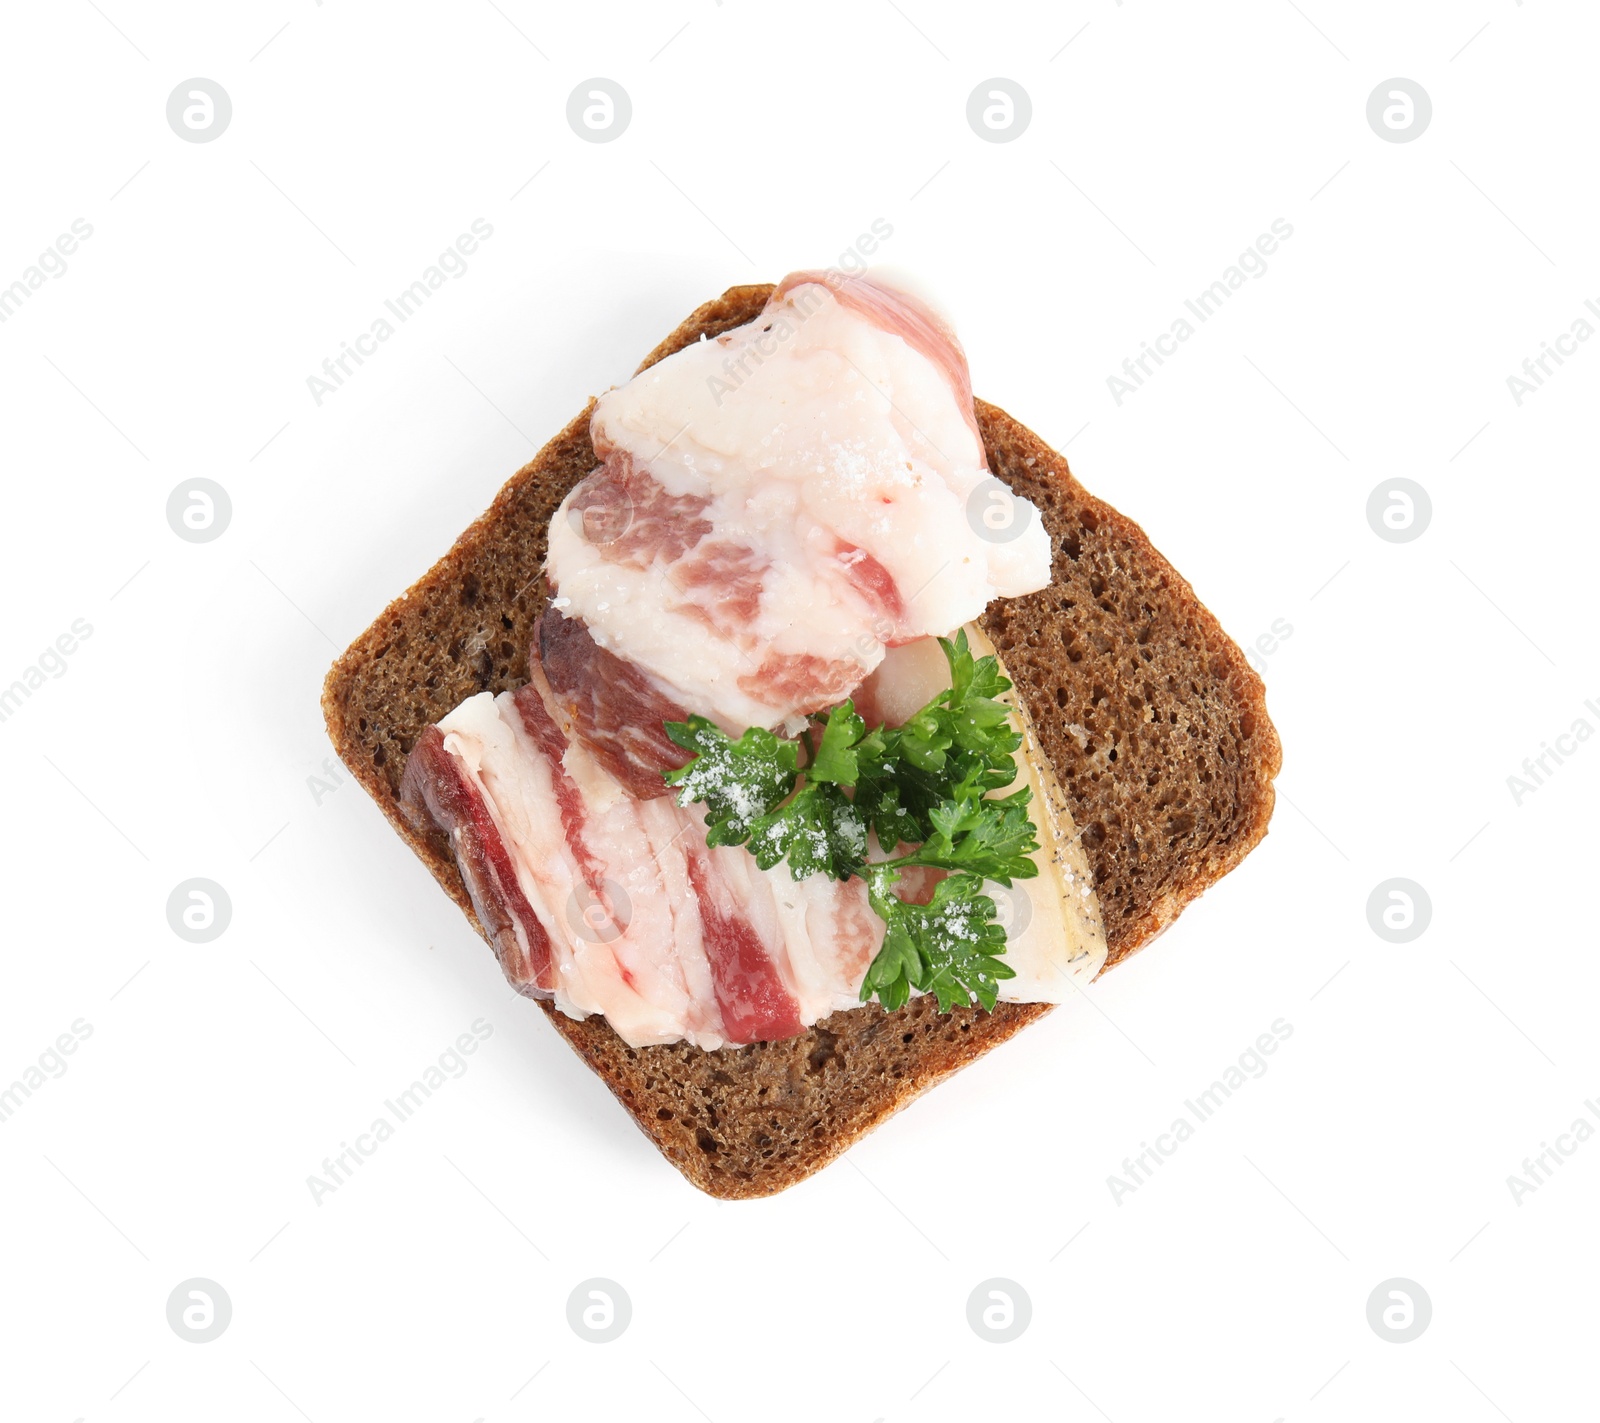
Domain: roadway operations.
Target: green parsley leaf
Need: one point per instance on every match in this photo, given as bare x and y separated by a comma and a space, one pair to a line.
877, 800
836, 758
962, 730
817, 830
993, 839
896, 969
928, 784
950, 947
739, 781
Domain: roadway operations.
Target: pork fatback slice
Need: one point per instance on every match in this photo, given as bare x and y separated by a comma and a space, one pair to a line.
778, 506
607, 903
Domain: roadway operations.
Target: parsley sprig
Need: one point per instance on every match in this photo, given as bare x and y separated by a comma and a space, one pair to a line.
928, 784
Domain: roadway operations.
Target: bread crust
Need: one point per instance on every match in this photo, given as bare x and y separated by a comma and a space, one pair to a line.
1153, 721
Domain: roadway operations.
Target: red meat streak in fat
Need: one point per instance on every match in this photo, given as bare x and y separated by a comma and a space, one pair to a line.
755, 1005
552, 745
435, 790
617, 711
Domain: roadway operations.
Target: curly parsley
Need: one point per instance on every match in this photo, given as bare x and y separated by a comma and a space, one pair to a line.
925, 784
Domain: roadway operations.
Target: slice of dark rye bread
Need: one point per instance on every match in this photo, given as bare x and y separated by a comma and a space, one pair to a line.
1153, 721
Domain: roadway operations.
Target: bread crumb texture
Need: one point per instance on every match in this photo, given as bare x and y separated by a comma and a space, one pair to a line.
1153, 721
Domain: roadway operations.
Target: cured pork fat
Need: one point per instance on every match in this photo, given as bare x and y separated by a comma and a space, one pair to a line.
778, 506
781, 518
612, 904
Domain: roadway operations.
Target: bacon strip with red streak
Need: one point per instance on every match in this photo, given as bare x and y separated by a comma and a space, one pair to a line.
535, 719
756, 1004
635, 916
436, 794
622, 509
614, 708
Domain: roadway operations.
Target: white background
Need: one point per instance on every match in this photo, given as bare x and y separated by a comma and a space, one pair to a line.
179, 741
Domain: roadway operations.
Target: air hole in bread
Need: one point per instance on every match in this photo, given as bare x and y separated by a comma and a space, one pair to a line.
826, 1047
